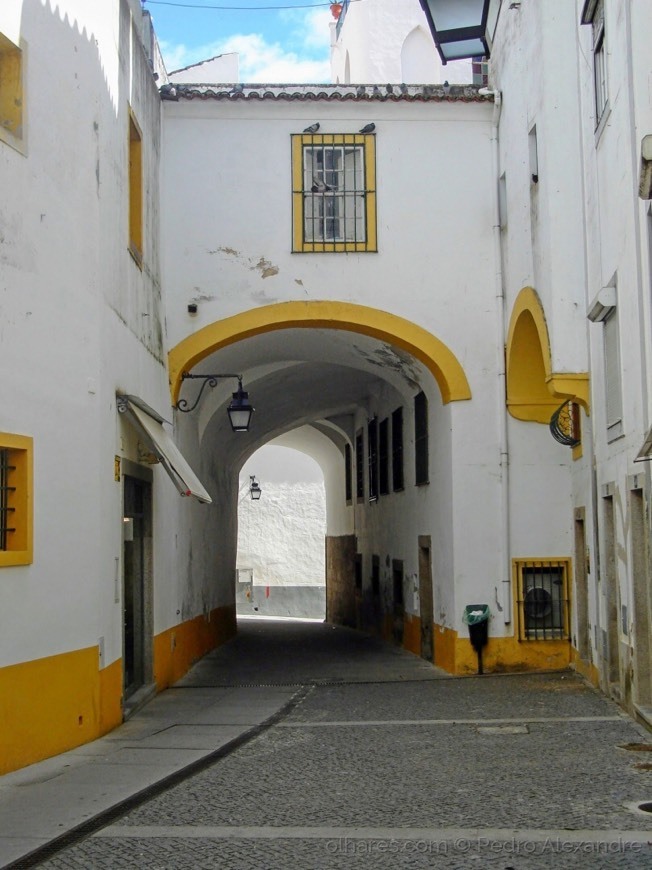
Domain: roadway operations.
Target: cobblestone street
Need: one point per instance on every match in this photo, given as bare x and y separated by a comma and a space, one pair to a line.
381, 761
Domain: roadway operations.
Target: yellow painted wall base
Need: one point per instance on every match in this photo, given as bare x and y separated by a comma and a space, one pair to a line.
50, 705
47, 706
455, 654
412, 633
178, 648
587, 669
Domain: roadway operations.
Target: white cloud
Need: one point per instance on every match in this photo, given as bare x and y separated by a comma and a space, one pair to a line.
305, 57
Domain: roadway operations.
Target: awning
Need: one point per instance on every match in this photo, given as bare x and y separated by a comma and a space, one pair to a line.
646, 450
149, 426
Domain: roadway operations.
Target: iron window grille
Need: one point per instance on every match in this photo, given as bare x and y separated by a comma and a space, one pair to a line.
421, 438
334, 197
397, 450
542, 596
7, 509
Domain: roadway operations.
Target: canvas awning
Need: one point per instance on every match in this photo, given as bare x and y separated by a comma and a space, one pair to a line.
149, 426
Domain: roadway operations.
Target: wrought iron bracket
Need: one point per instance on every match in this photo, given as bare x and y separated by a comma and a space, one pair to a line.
210, 381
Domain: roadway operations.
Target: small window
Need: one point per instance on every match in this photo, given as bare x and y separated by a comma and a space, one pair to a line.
11, 94
135, 191
334, 193
15, 500
533, 149
543, 599
372, 446
612, 378
480, 71
348, 473
593, 14
397, 450
359, 466
383, 457
421, 439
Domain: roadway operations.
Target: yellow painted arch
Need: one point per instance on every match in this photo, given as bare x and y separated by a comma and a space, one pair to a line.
420, 343
534, 391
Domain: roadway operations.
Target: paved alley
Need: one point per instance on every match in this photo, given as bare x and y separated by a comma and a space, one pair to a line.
377, 760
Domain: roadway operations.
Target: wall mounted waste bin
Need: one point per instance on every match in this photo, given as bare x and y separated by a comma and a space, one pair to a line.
476, 616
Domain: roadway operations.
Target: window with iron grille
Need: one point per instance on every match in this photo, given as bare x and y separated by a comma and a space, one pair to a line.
372, 448
421, 439
383, 457
359, 466
397, 450
542, 594
15, 500
334, 196
348, 473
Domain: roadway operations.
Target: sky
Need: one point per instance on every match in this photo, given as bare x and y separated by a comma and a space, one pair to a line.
274, 45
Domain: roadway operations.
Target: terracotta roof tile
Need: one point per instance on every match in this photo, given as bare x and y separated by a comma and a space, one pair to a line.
307, 93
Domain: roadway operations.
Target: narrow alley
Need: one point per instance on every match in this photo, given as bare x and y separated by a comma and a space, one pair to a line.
363, 756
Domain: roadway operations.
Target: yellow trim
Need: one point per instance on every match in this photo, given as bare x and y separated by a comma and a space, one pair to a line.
299, 245
20, 543
12, 93
432, 352
586, 669
534, 391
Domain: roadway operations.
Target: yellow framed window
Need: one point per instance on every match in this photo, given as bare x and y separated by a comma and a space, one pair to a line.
333, 193
15, 500
11, 93
135, 191
542, 596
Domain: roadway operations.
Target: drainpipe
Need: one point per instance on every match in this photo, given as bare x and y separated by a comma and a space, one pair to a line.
503, 592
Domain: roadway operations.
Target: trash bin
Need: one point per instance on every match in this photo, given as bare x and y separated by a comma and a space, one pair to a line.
476, 616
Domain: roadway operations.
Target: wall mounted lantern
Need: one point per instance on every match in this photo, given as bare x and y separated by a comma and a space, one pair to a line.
240, 408
254, 488
462, 28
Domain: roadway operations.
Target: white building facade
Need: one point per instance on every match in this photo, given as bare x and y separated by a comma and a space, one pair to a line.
400, 275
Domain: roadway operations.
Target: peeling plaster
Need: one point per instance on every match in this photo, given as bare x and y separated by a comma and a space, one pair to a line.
265, 268
388, 357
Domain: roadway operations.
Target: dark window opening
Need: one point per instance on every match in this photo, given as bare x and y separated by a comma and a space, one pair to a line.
359, 466
383, 457
397, 579
348, 473
372, 444
421, 438
397, 450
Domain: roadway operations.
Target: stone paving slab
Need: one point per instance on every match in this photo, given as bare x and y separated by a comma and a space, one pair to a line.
46, 800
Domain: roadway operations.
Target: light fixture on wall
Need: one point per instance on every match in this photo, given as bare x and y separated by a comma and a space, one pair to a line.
240, 408
462, 30
254, 488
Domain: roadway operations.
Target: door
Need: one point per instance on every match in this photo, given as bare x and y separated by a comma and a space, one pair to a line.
426, 607
136, 521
